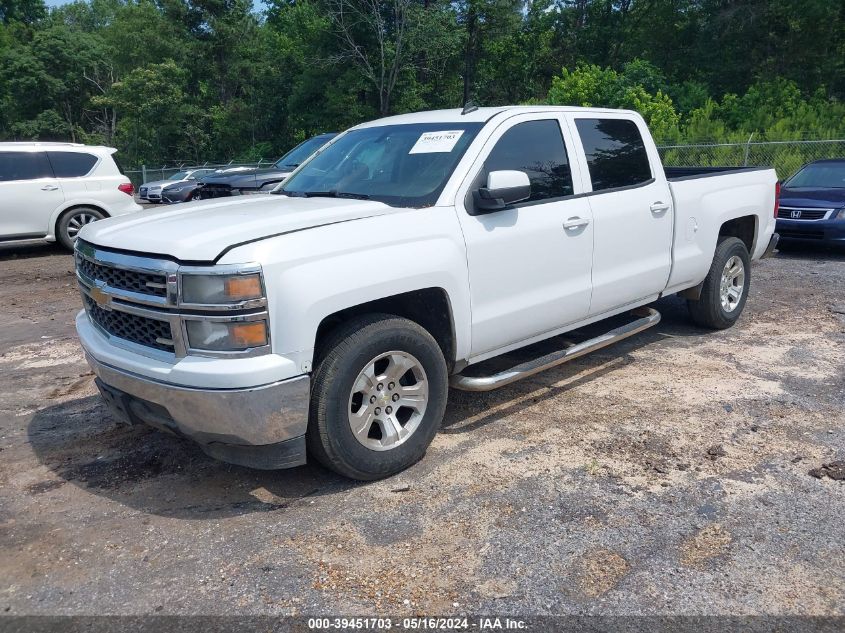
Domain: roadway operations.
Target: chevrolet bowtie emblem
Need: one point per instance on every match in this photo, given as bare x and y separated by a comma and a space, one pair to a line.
101, 298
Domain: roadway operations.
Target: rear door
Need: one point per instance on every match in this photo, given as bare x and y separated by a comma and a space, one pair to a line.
631, 207
529, 274
29, 194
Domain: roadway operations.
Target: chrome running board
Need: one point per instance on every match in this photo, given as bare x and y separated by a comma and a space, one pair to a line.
648, 317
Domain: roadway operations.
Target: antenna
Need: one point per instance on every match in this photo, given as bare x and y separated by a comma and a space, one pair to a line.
468, 108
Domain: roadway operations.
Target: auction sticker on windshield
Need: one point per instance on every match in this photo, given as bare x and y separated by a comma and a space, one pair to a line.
436, 142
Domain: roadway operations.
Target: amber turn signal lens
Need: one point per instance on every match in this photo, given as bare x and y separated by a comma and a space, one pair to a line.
249, 334
246, 287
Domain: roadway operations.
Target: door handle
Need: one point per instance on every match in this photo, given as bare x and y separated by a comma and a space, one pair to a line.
659, 207
575, 223
49, 188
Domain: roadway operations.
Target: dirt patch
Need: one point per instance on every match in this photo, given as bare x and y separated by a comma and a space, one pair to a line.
708, 543
602, 570
40, 487
833, 470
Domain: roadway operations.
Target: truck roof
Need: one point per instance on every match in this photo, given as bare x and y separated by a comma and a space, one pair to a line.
480, 115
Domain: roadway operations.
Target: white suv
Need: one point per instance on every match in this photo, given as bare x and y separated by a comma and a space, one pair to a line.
48, 191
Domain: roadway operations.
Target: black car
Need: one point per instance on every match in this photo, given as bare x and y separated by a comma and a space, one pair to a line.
247, 181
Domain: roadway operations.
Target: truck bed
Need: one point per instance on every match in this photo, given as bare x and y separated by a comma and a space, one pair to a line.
688, 173
705, 198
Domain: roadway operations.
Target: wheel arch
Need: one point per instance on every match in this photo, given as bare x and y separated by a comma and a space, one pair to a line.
743, 227
430, 308
58, 215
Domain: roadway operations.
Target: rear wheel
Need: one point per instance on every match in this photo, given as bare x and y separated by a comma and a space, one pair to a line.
725, 288
378, 397
72, 222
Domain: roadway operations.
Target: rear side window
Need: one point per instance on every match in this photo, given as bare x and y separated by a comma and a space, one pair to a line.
71, 164
616, 154
24, 166
535, 147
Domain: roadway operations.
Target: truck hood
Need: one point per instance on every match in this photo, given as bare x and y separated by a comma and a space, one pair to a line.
809, 197
201, 231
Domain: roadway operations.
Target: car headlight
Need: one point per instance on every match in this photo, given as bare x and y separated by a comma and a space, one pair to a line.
226, 336
221, 289
841, 214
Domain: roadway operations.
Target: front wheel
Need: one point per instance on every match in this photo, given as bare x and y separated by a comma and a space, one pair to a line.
725, 288
379, 394
72, 222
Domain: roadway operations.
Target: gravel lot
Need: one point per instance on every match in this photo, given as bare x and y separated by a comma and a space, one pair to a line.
665, 475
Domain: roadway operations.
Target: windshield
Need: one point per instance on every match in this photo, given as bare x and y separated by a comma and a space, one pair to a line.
298, 154
400, 165
819, 175
199, 173
179, 175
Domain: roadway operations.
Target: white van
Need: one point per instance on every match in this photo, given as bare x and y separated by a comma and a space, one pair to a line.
48, 191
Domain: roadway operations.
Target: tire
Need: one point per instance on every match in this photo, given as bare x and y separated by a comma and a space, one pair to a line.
390, 437
72, 221
716, 309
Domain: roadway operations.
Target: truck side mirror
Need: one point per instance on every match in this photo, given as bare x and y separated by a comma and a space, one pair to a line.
503, 188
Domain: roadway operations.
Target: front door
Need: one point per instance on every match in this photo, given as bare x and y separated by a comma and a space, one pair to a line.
632, 210
529, 265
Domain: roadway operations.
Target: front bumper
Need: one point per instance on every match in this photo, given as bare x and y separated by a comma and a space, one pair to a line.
815, 230
259, 427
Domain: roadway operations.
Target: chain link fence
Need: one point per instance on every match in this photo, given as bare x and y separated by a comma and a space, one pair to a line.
146, 173
785, 156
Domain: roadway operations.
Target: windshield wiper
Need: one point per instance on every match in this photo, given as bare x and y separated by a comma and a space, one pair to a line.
329, 194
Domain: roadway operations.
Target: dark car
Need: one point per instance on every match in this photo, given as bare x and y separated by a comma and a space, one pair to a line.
248, 181
184, 191
812, 203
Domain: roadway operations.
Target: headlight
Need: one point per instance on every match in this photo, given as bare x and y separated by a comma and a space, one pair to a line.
221, 336
841, 214
221, 289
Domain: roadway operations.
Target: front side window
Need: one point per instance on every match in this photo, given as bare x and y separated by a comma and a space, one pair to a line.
71, 164
536, 148
401, 165
616, 154
24, 166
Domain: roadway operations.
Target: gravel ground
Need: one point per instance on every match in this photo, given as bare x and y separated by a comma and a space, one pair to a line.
666, 475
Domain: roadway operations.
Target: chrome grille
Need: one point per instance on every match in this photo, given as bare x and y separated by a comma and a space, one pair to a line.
131, 327
131, 280
796, 213
135, 300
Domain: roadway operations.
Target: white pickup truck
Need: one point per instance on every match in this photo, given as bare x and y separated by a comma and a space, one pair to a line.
330, 318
